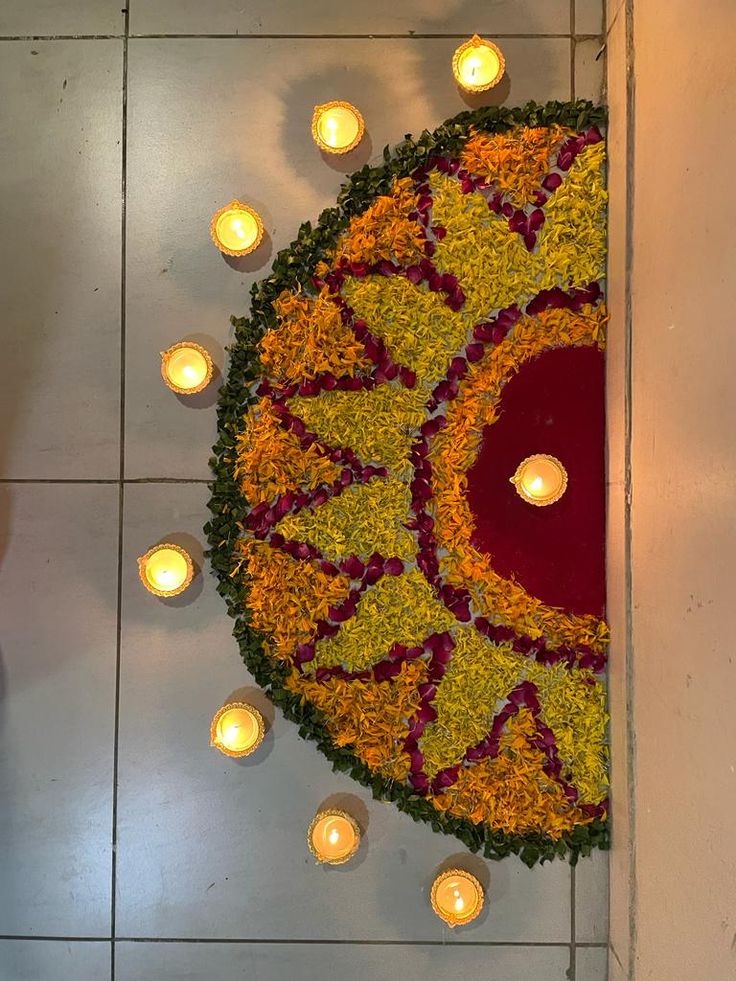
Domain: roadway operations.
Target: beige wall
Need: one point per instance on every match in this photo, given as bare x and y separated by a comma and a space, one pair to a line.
673, 902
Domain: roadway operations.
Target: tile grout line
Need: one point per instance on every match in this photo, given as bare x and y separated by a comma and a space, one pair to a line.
573, 942
105, 480
573, 45
306, 942
280, 37
352, 37
53, 939
121, 492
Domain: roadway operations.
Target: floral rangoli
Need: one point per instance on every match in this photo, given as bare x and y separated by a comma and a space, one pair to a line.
442, 641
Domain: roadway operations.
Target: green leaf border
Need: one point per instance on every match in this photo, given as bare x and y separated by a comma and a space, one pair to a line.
292, 269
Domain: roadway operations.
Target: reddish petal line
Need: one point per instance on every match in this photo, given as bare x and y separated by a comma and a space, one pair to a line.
265, 516
366, 575
384, 670
335, 278
440, 648
422, 271
437, 649
525, 694
374, 348
337, 454
493, 331
575, 145
323, 381
528, 220
297, 550
384, 368
581, 656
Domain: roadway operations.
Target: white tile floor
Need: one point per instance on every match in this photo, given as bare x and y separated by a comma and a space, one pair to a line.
114, 150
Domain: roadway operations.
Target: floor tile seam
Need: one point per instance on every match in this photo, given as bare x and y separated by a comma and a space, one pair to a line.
283, 941
342, 942
285, 37
573, 928
108, 481
116, 726
573, 43
121, 490
406, 36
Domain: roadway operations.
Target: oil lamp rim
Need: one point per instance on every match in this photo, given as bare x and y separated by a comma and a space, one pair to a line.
236, 205
144, 559
237, 753
166, 357
475, 42
336, 104
539, 502
453, 921
334, 812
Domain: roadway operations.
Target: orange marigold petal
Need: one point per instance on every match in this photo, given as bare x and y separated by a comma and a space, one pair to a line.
369, 716
515, 162
271, 461
384, 231
287, 597
512, 793
311, 338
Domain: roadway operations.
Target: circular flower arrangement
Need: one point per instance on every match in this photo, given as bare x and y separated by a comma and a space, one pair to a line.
342, 533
